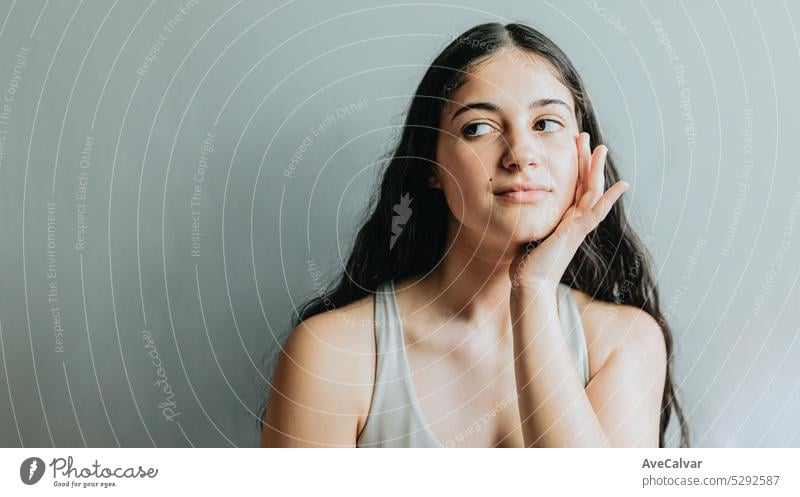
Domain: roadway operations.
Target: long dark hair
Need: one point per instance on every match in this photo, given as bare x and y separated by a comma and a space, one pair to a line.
611, 265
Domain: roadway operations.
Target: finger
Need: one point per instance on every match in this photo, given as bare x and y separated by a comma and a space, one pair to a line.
579, 183
598, 176
607, 201
584, 166
587, 160
596, 179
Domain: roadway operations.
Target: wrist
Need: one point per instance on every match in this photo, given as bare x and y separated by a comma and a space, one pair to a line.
533, 289
536, 298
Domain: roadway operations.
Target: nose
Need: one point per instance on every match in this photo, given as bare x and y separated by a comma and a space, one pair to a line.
523, 148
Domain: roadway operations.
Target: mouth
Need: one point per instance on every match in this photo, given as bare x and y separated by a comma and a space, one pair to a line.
524, 193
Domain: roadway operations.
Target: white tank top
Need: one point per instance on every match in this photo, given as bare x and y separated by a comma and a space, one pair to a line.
395, 418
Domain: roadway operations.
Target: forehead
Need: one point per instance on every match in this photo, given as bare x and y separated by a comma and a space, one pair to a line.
510, 77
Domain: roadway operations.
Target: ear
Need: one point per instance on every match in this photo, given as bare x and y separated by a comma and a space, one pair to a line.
433, 181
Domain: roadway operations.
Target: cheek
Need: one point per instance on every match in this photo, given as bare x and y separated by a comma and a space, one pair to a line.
465, 171
464, 174
562, 157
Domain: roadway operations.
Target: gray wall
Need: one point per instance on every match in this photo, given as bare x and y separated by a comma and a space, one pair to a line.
103, 147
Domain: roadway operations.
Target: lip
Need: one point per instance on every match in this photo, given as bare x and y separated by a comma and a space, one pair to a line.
524, 197
523, 192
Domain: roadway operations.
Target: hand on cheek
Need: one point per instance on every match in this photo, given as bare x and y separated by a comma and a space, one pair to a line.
544, 264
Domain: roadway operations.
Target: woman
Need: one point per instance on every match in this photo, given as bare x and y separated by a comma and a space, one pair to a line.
495, 295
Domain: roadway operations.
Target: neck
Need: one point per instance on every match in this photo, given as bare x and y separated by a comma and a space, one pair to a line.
472, 283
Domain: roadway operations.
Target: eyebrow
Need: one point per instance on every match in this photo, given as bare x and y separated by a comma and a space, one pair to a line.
493, 108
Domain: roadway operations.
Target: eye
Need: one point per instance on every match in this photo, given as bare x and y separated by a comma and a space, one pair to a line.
548, 125
472, 130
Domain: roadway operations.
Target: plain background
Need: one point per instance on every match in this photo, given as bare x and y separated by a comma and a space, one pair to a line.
718, 204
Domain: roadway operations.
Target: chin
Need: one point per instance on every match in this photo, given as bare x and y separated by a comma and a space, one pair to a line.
523, 234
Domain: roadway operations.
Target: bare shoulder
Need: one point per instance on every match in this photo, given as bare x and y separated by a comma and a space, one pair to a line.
322, 386
346, 329
610, 327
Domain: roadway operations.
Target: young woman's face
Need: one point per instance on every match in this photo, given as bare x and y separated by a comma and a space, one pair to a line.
509, 126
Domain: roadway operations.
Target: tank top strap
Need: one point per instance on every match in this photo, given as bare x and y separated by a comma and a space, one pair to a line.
388, 340
570, 316
394, 418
